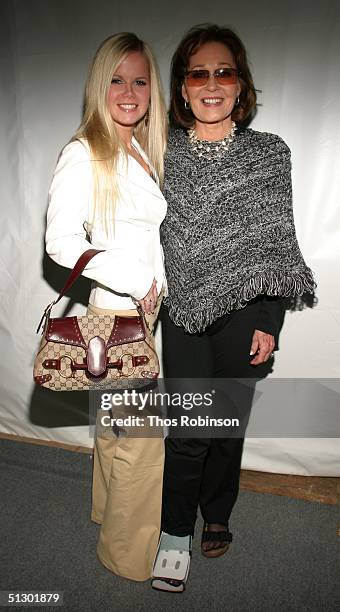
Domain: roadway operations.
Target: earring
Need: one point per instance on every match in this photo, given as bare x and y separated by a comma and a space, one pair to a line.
146, 117
237, 101
186, 105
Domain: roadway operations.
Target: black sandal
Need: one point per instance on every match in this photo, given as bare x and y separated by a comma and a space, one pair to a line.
224, 537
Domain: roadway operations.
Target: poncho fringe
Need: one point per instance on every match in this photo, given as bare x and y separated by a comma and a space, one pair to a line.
268, 283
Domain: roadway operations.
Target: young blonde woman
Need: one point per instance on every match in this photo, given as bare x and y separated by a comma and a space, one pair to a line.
105, 191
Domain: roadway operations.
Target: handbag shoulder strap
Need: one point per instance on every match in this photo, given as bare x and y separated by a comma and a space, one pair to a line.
78, 268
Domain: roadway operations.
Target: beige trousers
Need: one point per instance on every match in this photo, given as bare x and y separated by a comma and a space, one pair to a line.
127, 494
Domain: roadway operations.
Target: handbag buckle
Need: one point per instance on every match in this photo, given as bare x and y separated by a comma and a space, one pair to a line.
66, 370
127, 367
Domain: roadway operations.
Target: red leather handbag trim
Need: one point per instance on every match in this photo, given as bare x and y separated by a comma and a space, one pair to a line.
96, 356
65, 330
40, 380
152, 375
95, 378
51, 364
138, 360
55, 364
126, 329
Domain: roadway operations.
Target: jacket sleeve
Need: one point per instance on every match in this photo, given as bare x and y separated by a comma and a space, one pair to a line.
271, 315
119, 269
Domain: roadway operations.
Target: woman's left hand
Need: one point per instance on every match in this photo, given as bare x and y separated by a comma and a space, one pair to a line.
262, 347
148, 303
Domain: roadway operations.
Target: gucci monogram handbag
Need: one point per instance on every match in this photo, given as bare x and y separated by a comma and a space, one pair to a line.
94, 351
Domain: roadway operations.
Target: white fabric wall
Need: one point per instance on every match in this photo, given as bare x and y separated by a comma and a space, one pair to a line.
46, 47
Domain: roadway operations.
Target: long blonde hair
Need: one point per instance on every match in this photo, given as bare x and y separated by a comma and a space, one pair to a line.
98, 129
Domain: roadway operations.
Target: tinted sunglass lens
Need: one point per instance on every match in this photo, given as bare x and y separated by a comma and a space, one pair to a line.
226, 77
197, 77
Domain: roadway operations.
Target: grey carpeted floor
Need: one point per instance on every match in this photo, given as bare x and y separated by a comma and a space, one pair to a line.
285, 554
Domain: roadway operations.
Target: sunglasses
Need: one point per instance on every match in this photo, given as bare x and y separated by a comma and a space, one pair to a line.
223, 76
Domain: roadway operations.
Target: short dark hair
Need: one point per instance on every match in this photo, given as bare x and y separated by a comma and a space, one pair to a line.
195, 38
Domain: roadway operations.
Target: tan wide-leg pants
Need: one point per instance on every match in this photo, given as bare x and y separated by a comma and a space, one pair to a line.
127, 494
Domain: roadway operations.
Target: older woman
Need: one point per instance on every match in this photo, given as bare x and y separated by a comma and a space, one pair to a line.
230, 253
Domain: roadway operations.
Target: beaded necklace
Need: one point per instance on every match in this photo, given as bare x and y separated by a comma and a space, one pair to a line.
210, 149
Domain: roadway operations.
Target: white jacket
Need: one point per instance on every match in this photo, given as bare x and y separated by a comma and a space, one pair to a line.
133, 254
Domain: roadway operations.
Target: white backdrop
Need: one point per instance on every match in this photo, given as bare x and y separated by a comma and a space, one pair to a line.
46, 46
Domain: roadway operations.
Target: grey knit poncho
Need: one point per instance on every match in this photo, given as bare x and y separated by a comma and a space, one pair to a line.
229, 232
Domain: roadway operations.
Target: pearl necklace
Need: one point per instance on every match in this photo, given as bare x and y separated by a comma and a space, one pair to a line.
214, 148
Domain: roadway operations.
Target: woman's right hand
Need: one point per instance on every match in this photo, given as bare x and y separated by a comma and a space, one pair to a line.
148, 303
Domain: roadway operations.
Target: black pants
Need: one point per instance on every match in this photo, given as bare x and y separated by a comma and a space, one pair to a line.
205, 471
